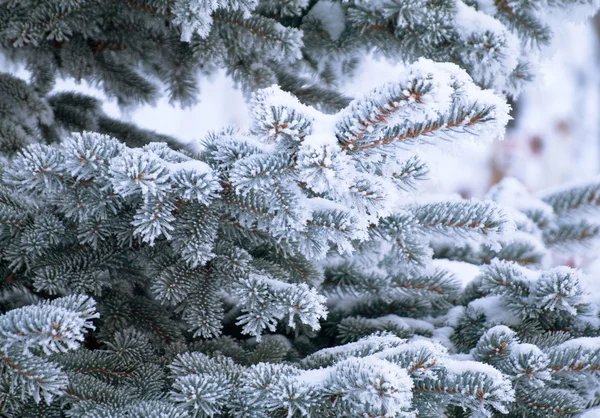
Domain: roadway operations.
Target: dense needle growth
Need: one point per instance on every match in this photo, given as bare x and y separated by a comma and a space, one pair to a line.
294, 269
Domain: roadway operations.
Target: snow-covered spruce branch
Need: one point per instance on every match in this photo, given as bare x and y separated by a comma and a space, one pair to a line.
228, 240
28, 335
542, 366
539, 363
309, 188
381, 375
213, 272
494, 41
569, 200
292, 179
560, 221
308, 48
421, 108
554, 290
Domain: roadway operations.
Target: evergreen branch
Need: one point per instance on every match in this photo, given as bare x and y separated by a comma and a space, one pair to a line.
231, 238
526, 25
461, 119
434, 285
204, 311
525, 253
381, 112
465, 217
574, 199
571, 234
411, 171
553, 401
268, 35
33, 376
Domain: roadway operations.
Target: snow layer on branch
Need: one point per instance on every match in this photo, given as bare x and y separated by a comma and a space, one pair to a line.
274, 97
441, 94
427, 91
198, 167
365, 381
363, 347
517, 350
495, 310
453, 315
500, 330
464, 272
586, 343
266, 301
493, 65
458, 367
591, 413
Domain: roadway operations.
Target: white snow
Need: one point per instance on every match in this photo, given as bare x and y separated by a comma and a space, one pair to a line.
458, 367
315, 377
197, 166
496, 65
452, 316
494, 310
526, 349
442, 335
406, 322
511, 192
590, 413
587, 343
373, 343
499, 330
464, 272
331, 16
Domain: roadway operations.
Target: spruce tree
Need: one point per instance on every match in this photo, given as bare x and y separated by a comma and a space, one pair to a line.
293, 269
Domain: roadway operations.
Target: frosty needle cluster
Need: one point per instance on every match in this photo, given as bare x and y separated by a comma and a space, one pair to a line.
294, 269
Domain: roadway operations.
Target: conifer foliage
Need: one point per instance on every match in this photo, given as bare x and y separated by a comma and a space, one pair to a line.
293, 269
136, 49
